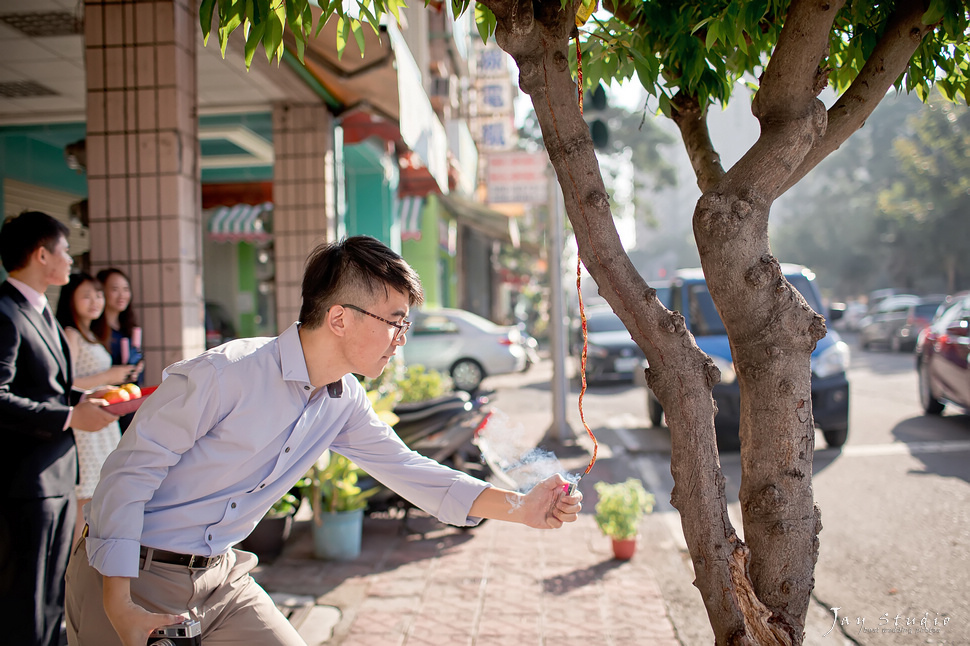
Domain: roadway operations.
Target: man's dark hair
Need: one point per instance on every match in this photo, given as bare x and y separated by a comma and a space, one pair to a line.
24, 234
349, 270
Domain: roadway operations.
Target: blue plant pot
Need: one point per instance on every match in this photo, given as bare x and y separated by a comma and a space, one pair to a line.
337, 537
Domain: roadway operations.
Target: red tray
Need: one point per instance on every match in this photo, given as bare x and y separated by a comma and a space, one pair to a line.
130, 406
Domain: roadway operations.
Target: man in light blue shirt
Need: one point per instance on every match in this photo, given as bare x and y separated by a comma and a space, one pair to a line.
229, 432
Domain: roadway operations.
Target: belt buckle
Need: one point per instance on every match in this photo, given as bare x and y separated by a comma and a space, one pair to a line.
202, 559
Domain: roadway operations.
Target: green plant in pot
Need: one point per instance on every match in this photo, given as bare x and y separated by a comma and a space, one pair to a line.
338, 505
619, 510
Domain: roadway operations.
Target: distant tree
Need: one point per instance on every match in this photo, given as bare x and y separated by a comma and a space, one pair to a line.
690, 55
831, 220
930, 204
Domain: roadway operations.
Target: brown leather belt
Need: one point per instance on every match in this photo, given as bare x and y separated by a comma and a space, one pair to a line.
191, 561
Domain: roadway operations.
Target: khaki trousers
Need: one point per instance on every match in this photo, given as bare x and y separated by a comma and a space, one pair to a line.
232, 608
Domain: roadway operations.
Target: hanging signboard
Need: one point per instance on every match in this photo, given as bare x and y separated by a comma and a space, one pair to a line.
517, 178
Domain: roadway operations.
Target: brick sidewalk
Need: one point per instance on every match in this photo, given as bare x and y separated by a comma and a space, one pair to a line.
499, 583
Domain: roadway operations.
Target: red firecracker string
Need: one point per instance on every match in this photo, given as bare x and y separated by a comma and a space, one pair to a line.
579, 292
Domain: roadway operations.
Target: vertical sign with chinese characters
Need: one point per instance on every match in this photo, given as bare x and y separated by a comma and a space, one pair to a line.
493, 118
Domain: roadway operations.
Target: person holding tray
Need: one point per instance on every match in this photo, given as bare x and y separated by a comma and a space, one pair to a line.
39, 408
117, 328
227, 433
81, 302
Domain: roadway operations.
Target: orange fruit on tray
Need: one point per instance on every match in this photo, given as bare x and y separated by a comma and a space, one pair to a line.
116, 395
133, 390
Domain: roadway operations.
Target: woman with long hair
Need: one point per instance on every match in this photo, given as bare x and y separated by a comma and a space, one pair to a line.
82, 302
117, 329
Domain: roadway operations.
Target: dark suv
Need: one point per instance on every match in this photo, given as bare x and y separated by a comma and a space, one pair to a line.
830, 389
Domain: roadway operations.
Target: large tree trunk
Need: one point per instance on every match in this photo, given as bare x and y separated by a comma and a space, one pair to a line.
537, 37
758, 595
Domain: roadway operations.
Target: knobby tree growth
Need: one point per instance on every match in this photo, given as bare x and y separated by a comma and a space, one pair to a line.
689, 55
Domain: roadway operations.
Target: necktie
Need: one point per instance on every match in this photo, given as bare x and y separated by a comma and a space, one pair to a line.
48, 317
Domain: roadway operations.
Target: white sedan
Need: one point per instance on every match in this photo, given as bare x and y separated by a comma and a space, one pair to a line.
463, 345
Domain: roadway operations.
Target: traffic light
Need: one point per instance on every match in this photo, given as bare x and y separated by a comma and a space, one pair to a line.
594, 106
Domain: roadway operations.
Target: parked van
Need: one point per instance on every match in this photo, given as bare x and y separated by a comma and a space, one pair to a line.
688, 294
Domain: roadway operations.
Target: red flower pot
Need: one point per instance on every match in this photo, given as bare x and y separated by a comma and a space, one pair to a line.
623, 548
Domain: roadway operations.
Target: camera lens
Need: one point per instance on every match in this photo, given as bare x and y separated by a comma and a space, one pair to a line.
164, 642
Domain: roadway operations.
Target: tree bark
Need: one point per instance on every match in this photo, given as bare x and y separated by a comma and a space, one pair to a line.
537, 37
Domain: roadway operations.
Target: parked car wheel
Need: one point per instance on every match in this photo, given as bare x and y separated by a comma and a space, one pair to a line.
835, 437
467, 375
931, 405
655, 412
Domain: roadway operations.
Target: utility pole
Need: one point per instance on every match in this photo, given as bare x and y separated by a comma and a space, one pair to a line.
559, 431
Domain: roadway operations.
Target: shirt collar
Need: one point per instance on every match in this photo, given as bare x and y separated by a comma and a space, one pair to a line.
291, 355
37, 300
294, 363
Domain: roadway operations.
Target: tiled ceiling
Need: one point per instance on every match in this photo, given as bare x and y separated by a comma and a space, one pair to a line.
42, 76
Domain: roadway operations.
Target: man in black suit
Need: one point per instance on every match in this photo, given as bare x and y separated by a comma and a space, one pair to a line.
38, 410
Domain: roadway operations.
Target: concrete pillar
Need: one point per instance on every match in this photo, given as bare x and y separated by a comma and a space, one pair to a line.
303, 215
143, 166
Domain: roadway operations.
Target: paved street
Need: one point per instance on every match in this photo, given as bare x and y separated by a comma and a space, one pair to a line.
896, 537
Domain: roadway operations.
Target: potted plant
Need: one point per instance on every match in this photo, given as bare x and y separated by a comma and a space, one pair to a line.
338, 507
619, 510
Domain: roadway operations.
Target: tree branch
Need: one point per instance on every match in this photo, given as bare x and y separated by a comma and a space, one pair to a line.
788, 82
691, 120
887, 62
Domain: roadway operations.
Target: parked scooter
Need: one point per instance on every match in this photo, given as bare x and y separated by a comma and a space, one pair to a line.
442, 429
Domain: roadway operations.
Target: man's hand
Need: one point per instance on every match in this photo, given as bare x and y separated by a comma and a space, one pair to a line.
545, 507
132, 622
90, 415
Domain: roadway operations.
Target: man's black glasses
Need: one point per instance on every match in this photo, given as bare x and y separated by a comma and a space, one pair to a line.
402, 327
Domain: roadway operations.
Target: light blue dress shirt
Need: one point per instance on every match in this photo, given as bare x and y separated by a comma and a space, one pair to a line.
226, 434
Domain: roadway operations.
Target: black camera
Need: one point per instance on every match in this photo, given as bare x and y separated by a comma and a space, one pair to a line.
187, 633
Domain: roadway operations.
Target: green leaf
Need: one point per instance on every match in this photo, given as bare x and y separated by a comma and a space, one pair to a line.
358, 35
253, 40
394, 7
205, 19
342, 30
935, 13
231, 14
372, 20
294, 17
711, 39
701, 24
485, 21
272, 35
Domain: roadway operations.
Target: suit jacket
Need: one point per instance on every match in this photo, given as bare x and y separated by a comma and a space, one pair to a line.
35, 400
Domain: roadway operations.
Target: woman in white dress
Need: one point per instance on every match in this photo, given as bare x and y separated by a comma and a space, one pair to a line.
82, 301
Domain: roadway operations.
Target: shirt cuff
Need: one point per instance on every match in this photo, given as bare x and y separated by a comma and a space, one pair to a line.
459, 499
117, 557
70, 414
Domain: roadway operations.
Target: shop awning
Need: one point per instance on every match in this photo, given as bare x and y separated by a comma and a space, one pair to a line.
241, 222
486, 221
409, 211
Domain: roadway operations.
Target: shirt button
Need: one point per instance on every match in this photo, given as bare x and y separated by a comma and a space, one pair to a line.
261, 486
233, 505
210, 537
306, 388
287, 450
